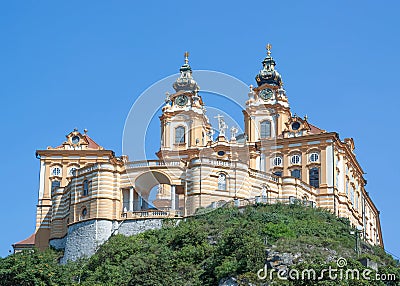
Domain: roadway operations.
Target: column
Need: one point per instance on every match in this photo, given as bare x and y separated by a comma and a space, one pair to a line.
173, 197
131, 199
262, 162
185, 198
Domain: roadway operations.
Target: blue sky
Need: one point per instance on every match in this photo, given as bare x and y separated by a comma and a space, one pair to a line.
83, 63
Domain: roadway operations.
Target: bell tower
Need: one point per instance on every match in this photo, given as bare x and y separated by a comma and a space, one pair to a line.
267, 109
185, 127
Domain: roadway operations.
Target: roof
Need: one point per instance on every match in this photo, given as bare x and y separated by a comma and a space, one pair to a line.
91, 142
315, 129
27, 241
87, 141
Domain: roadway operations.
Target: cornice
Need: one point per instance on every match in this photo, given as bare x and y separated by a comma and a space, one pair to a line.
81, 153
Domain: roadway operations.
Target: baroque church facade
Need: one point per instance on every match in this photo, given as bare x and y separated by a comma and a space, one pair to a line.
86, 193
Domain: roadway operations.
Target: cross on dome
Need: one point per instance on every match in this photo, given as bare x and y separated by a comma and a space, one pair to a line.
186, 55
269, 47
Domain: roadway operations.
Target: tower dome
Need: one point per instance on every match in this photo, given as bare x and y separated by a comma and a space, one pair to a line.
185, 82
268, 74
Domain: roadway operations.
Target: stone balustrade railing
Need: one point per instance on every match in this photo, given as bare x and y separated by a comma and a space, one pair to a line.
263, 175
146, 214
153, 163
94, 167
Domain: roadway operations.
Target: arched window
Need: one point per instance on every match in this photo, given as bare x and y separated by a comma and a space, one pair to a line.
222, 182
72, 170
277, 161
85, 187
56, 171
314, 177
352, 195
265, 129
295, 159
55, 185
296, 173
314, 157
179, 135
356, 203
84, 213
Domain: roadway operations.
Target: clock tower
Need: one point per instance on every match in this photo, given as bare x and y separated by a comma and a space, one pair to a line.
267, 109
185, 128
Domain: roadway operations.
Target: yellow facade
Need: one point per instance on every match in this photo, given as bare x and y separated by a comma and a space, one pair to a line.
279, 158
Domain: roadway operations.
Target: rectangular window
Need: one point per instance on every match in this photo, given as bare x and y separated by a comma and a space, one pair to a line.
222, 182
352, 196
55, 185
314, 177
296, 173
278, 173
265, 129
85, 187
356, 203
179, 135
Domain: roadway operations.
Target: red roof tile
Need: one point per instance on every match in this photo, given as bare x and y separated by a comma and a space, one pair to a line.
28, 241
315, 129
92, 143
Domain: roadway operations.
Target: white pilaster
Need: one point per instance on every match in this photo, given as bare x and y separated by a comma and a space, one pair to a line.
173, 197
329, 166
131, 199
262, 162
41, 179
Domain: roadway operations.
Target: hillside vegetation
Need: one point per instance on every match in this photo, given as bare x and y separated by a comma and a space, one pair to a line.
206, 250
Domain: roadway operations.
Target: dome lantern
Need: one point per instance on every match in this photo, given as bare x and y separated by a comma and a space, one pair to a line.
268, 74
185, 82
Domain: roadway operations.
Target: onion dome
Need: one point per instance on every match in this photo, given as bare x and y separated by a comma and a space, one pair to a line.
185, 82
268, 74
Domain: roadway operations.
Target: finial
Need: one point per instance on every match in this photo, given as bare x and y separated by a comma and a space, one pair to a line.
234, 131
269, 47
167, 99
75, 129
306, 117
186, 57
251, 87
85, 130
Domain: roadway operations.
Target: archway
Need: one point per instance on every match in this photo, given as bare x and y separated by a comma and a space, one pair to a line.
153, 190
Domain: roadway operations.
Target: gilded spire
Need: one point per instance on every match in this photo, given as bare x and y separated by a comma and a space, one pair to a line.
185, 81
269, 47
268, 74
186, 55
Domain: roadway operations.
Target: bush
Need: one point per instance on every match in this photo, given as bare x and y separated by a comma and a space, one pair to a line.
228, 242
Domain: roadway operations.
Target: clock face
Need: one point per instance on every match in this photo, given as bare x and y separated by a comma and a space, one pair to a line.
181, 100
266, 93
75, 140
